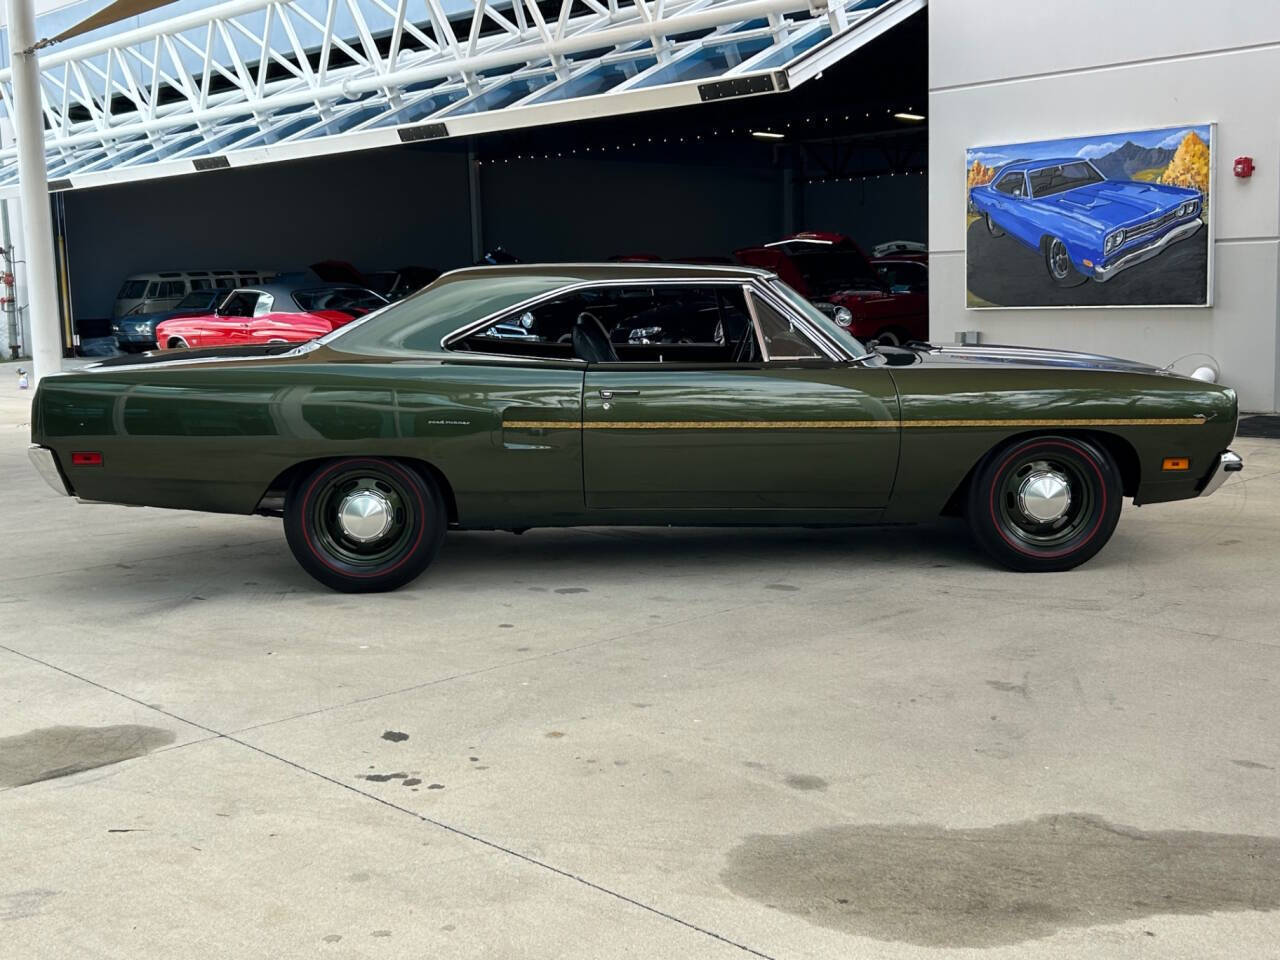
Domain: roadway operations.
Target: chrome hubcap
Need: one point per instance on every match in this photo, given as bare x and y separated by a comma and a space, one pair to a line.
1045, 495
365, 515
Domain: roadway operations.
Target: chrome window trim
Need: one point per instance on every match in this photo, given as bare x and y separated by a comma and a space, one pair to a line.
447, 342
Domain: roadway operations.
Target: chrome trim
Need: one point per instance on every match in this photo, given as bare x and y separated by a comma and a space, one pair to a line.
1228, 462
46, 465
1102, 274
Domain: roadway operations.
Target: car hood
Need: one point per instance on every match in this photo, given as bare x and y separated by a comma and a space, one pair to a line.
1115, 203
992, 355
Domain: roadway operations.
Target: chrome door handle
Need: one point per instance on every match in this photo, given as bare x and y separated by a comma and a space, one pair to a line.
610, 394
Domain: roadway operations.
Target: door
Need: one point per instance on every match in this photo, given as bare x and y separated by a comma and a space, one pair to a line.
788, 432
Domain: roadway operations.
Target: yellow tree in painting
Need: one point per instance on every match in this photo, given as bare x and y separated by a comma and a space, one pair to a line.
1190, 164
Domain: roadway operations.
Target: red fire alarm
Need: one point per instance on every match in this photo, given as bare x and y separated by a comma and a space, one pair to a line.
1243, 167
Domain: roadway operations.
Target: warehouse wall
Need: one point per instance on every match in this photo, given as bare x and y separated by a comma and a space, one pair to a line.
871, 211
384, 208
570, 209
1024, 71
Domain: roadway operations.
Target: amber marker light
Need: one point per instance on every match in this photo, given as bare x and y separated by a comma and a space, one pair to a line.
1176, 463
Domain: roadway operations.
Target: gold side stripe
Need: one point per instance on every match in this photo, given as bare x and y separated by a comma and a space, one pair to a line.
845, 424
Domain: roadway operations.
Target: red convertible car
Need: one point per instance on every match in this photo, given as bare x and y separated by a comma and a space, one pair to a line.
272, 313
836, 276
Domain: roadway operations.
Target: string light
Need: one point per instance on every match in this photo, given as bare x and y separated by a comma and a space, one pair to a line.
713, 134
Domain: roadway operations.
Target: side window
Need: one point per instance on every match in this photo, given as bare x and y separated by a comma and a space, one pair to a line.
240, 304
1012, 184
265, 302
782, 339
152, 287
664, 323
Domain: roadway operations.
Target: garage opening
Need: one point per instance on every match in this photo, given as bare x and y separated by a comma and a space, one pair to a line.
728, 180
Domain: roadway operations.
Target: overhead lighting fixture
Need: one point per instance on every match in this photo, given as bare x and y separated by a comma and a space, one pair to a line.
767, 135
909, 116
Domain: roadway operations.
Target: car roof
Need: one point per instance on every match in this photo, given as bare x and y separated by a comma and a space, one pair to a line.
1025, 165
640, 272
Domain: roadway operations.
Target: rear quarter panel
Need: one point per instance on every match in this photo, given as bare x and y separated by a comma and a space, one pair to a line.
953, 416
214, 437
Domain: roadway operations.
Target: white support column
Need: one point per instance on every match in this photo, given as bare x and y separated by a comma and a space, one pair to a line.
37, 223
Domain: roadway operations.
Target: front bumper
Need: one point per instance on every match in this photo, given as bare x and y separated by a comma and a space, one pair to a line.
1228, 462
46, 465
1104, 272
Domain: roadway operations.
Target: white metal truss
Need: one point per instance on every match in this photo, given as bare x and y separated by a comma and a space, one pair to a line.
253, 81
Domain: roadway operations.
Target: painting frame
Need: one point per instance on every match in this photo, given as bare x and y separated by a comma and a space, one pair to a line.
1024, 280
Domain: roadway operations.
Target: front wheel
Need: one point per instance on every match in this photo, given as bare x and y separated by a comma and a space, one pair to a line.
1058, 262
364, 524
1045, 504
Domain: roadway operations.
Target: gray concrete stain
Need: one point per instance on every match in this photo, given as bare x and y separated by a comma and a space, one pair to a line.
572, 590
51, 752
1001, 885
395, 736
382, 777
805, 781
1252, 765
784, 587
24, 903
1023, 688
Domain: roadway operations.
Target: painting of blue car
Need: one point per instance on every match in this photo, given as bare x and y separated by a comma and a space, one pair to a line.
1125, 215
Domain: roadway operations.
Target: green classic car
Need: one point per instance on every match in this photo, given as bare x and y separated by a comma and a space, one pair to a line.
517, 396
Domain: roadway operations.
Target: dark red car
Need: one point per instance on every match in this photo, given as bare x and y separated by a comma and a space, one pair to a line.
833, 272
271, 313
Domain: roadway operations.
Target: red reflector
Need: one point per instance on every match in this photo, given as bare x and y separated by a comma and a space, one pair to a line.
86, 458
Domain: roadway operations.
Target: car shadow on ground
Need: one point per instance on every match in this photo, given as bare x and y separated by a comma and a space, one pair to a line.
1004, 272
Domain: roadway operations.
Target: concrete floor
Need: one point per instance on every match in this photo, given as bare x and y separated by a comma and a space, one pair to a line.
648, 743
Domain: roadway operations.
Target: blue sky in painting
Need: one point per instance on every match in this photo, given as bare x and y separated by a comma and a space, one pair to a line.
1098, 146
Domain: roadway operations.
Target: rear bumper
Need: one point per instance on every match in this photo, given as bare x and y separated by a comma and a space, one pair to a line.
1106, 271
1228, 462
46, 465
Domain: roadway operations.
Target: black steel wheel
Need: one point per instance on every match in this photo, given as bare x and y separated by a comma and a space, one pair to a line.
1045, 504
992, 228
364, 524
1058, 262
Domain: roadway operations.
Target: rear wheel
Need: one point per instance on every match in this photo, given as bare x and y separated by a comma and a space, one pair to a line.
364, 524
1045, 504
992, 228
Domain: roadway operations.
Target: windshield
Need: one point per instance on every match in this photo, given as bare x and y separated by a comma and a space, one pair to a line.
200, 299
347, 299
828, 270
418, 323
1050, 180
132, 290
821, 320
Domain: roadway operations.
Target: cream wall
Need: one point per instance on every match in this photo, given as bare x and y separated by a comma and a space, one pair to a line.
1003, 71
